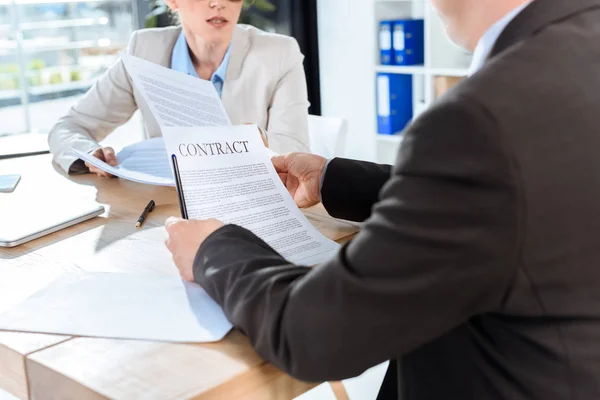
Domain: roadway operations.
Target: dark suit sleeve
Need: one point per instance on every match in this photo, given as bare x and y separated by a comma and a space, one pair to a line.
351, 188
439, 248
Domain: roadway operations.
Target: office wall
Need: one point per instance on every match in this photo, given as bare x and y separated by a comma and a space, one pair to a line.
347, 50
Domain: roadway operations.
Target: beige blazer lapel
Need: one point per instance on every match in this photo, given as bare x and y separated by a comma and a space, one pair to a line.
165, 57
240, 44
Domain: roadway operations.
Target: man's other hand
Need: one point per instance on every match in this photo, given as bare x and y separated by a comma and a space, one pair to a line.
301, 174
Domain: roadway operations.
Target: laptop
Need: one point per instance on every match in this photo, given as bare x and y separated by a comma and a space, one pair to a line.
22, 145
23, 224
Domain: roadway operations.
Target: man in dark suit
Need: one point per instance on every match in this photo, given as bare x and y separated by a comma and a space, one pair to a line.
478, 264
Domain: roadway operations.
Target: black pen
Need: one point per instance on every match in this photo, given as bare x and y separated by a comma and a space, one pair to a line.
142, 217
179, 187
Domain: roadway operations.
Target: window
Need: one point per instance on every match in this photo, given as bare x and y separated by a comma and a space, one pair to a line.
297, 18
51, 53
263, 14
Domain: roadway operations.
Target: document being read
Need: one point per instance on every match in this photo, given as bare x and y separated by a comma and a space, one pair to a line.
226, 173
175, 98
143, 162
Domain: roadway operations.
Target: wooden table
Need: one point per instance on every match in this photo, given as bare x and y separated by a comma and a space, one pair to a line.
40, 366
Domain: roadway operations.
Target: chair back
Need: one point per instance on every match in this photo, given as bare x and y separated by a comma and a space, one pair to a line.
327, 135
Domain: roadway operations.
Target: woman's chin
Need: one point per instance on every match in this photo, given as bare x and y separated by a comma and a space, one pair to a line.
214, 35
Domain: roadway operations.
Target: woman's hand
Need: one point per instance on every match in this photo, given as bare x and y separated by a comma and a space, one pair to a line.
106, 154
263, 134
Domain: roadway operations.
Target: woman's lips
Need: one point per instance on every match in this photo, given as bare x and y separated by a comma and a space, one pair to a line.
217, 22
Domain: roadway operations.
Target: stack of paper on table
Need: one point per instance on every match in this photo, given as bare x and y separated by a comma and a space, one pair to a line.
123, 306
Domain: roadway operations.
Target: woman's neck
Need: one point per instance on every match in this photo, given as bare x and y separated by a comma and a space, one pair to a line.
206, 57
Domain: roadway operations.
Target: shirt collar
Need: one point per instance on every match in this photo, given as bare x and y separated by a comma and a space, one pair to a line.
182, 62
488, 40
221, 72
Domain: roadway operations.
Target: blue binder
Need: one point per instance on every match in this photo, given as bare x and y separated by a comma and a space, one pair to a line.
385, 42
408, 42
394, 102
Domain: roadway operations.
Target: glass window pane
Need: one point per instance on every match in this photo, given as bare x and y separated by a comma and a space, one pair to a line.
54, 52
263, 14
11, 112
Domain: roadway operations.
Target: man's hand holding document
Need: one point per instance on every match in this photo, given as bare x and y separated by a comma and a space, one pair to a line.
226, 174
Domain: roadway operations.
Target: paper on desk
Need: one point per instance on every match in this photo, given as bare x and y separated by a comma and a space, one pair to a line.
321, 392
367, 385
175, 98
123, 306
227, 174
144, 162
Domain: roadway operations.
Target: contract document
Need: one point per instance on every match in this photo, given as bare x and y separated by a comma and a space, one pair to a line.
226, 173
175, 98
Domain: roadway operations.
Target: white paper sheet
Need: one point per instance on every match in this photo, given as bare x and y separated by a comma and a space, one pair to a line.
123, 306
367, 385
227, 174
149, 156
144, 162
175, 98
321, 392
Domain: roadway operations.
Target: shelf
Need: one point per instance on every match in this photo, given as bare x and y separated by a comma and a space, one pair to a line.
401, 69
458, 72
394, 139
84, 44
9, 94
31, 48
31, 2
60, 87
45, 89
421, 70
56, 68
65, 23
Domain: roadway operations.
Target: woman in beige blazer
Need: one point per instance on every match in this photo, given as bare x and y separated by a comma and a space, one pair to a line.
263, 82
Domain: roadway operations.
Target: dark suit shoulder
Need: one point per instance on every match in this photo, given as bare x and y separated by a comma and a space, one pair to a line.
541, 73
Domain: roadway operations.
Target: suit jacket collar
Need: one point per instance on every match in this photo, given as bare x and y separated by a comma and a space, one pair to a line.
538, 15
166, 56
240, 43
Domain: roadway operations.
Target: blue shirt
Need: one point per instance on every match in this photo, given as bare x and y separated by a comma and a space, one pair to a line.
182, 62
488, 40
